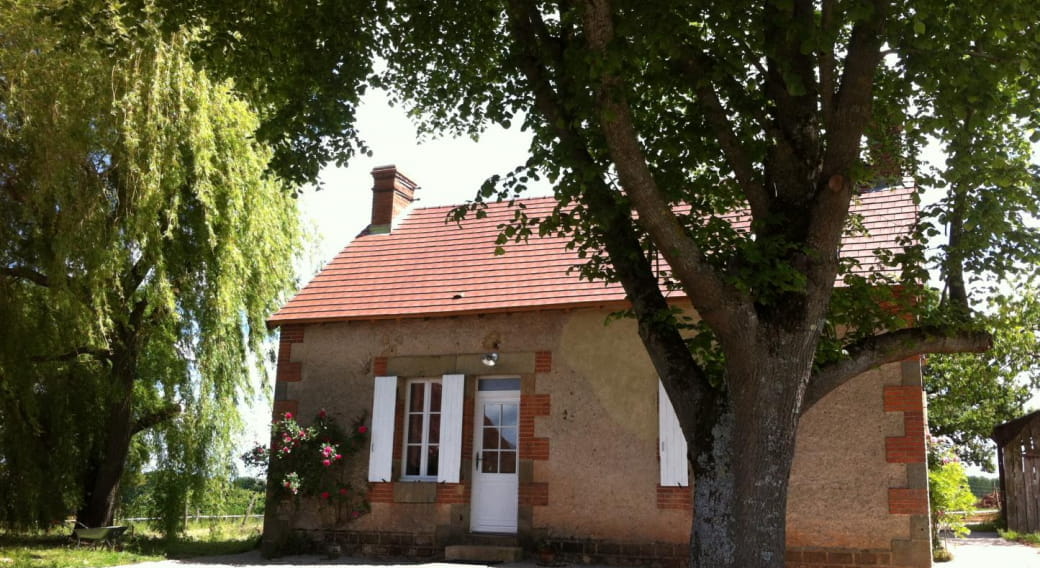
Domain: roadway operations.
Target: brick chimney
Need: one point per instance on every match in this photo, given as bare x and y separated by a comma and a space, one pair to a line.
392, 193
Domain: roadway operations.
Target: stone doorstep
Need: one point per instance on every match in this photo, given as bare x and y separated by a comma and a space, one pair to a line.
483, 553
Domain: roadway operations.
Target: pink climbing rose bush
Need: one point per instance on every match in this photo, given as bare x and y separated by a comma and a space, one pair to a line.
313, 461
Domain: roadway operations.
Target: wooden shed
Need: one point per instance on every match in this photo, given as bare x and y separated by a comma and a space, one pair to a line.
1018, 459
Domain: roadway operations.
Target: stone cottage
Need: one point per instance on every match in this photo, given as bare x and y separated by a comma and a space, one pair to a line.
505, 411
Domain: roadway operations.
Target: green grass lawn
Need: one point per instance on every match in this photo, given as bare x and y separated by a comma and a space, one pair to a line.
54, 550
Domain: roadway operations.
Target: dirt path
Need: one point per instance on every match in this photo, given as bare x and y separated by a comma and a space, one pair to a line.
987, 550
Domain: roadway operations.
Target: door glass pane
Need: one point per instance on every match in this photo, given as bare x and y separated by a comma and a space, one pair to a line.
411, 466
435, 397
491, 438
498, 385
509, 414
418, 390
508, 462
508, 436
489, 462
493, 414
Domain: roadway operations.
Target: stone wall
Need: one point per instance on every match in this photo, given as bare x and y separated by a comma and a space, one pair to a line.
588, 429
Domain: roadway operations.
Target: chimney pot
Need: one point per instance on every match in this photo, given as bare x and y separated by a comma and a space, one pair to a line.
392, 193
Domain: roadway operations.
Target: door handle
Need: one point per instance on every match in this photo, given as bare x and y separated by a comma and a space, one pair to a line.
476, 460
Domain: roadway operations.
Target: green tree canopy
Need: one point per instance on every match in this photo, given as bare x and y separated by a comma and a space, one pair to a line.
142, 246
787, 109
971, 393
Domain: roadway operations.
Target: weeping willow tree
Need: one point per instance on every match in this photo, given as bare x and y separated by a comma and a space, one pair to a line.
142, 245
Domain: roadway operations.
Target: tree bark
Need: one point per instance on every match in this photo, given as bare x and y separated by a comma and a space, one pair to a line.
713, 539
101, 488
741, 477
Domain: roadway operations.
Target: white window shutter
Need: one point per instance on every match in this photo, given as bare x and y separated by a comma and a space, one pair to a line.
384, 404
674, 463
450, 463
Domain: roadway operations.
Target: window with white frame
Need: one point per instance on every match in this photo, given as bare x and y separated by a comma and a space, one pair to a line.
422, 429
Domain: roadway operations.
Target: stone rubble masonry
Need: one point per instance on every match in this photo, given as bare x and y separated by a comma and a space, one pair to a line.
907, 500
381, 544
607, 552
467, 427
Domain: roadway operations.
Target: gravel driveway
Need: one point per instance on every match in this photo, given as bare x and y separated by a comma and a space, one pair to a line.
987, 550
980, 550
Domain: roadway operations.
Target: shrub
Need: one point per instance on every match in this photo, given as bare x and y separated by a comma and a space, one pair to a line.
951, 498
312, 462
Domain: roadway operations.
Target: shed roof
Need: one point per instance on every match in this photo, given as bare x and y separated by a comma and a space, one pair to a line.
429, 266
1008, 431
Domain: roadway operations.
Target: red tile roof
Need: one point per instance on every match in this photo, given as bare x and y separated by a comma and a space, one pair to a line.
429, 266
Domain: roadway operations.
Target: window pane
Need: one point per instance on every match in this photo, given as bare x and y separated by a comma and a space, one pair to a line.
411, 466
418, 390
415, 428
431, 460
489, 462
435, 397
435, 429
508, 464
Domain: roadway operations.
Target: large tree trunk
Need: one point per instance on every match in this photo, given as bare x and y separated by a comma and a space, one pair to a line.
713, 540
101, 487
741, 479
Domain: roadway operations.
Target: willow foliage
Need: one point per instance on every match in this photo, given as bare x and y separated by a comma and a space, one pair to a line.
142, 246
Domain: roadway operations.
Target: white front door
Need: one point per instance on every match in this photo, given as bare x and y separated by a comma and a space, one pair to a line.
496, 444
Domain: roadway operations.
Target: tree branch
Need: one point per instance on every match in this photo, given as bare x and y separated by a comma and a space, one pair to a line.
696, 402
27, 274
890, 347
850, 114
851, 109
154, 418
718, 119
97, 353
827, 63
719, 305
